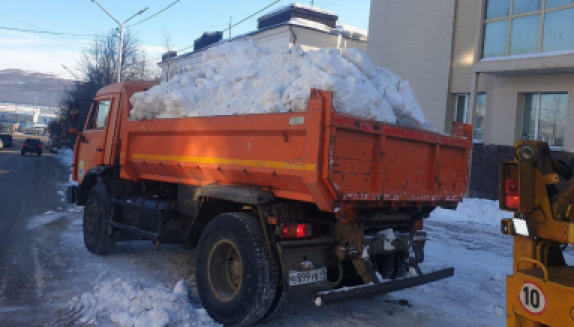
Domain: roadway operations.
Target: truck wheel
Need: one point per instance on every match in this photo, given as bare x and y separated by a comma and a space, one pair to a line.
96, 237
284, 298
236, 279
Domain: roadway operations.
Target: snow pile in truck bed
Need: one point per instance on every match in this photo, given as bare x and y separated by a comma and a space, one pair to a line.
241, 78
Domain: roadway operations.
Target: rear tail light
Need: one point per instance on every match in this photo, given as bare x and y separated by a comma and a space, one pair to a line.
39, 145
297, 230
511, 187
24, 144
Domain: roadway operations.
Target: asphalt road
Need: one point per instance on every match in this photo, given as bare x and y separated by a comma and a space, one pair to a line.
28, 187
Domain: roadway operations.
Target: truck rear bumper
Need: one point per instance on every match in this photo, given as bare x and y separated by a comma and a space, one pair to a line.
364, 291
71, 193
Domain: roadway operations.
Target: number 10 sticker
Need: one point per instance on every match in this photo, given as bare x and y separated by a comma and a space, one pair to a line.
532, 298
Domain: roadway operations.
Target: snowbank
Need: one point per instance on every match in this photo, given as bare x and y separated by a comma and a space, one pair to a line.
480, 211
128, 303
241, 78
65, 156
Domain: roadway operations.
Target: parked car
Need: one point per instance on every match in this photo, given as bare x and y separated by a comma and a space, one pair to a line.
32, 146
7, 140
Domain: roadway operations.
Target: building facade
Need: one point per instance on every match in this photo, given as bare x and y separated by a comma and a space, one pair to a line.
506, 66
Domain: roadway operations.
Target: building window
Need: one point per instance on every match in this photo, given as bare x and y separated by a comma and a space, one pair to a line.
544, 118
479, 116
519, 27
462, 104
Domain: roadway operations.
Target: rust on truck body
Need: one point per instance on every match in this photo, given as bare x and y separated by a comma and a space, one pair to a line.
318, 156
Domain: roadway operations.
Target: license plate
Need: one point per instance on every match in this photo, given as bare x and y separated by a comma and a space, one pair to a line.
302, 277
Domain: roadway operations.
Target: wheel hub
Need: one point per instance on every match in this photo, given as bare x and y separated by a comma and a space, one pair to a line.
225, 270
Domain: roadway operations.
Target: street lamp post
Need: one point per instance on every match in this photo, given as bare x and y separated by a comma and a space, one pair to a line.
121, 28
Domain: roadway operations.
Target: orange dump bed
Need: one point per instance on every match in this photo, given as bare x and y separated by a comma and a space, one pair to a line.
318, 156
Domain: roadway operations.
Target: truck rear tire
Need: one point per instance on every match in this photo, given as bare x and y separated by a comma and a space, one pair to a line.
284, 298
236, 279
96, 237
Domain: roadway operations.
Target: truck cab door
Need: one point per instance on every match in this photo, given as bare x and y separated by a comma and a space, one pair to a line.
91, 142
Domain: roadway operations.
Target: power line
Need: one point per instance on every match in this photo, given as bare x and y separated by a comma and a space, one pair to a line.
157, 13
19, 21
241, 21
44, 32
185, 29
252, 15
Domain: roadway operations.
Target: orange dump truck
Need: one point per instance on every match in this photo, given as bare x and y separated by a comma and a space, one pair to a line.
271, 201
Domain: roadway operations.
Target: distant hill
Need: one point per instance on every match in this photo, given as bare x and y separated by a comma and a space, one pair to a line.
24, 87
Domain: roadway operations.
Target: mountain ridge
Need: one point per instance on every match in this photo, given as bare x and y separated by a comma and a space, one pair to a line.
32, 88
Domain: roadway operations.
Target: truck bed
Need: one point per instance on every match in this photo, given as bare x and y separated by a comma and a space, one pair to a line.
318, 156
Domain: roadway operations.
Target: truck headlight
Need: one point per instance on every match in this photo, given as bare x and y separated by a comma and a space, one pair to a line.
520, 227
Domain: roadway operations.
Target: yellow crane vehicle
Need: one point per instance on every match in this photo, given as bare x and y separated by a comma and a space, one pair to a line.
540, 192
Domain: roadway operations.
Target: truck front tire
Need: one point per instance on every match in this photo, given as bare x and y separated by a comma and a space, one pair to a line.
236, 279
96, 237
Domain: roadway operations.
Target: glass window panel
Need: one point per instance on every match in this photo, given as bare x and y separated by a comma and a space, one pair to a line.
529, 117
552, 119
103, 109
497, 9
461, 105
495, 39
558, 30
525, 6
558, 3
525, 35
479, 115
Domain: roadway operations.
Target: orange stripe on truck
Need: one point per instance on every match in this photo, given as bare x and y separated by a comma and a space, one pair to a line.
226, 161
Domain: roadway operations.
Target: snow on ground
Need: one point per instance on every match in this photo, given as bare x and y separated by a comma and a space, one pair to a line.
241, 78
65, 156
137, 303
475, 296
44, 219
478, 211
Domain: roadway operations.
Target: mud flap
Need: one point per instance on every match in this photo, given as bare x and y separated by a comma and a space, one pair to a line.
365, 291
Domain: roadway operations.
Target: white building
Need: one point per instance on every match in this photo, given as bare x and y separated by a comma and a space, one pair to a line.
294, 25
23, 118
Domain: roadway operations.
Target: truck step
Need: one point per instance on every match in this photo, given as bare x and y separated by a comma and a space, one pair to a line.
135, 231
139, 206
365, 291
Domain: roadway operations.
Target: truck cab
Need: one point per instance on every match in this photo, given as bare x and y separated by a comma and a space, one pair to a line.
98, 144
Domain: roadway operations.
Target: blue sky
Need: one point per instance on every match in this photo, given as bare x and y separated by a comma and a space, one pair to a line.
185, 21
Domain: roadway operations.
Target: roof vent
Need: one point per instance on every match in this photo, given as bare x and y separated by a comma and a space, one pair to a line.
296, 10
168, 55
207, 39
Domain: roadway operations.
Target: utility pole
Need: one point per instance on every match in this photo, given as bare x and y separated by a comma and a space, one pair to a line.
69, 71
121, 29
230, 21
312, 3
